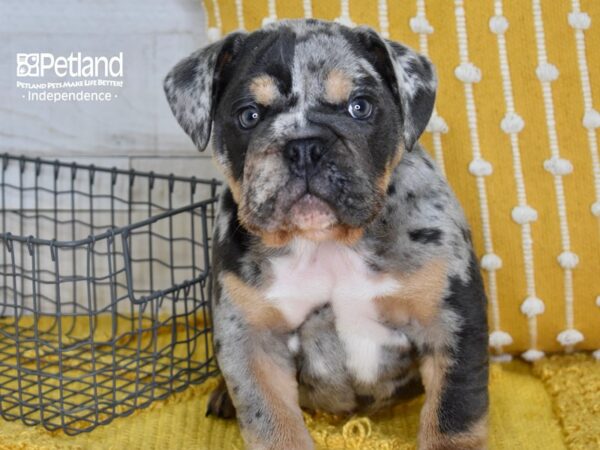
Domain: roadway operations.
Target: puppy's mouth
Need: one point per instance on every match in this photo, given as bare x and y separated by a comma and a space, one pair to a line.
310, 213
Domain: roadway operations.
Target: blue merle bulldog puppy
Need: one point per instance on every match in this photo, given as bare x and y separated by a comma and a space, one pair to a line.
344, 275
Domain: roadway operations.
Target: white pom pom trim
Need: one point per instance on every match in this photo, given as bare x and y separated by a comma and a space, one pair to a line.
596, 209
532, 306
532, 355
569, 337
500, 338
558, 166
546, 72
512, 123
213, 34
491, 261
596, 354
421, 25
268, 20
524, 214
498, 24
480, 167
568, 260
579, 20
437, 124
503, 358
591, 119
468, 73
346, 21
598, 301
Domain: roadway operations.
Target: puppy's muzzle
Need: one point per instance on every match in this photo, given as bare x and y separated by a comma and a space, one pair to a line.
303, 156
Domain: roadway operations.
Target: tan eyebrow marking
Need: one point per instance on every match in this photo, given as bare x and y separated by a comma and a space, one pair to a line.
338, 86
264, 89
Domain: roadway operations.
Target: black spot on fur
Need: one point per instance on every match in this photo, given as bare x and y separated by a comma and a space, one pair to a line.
428, 163
466, 234
229, 254
374, 266
426, 235
391, 189
217, 346
438, 206
292, 101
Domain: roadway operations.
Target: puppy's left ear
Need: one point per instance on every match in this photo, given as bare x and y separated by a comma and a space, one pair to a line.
193, 86
409, 75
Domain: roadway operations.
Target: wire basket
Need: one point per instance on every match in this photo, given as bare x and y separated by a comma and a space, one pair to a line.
104, 296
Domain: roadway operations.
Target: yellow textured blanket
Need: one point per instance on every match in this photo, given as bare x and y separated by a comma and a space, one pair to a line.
555, 405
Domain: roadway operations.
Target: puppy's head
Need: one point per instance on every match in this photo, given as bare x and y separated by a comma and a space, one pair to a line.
310, 119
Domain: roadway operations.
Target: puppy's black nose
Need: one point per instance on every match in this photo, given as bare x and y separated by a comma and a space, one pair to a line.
303, 155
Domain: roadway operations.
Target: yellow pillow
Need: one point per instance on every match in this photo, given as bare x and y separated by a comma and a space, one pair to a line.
516, 132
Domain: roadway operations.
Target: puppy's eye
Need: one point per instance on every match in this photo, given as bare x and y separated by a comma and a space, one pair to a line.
360, 108
249, 117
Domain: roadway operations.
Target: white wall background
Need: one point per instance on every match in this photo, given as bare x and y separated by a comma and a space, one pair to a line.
136, 129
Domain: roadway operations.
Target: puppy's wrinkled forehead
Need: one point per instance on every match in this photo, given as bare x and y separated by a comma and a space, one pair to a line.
306, 66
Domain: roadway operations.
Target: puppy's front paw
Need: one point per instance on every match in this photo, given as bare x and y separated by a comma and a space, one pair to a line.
220, 404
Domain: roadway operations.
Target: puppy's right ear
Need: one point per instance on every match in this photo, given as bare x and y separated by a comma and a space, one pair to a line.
192, 86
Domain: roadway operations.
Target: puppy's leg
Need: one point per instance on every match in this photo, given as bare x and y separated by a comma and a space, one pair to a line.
455, 410
455, 374
258, 370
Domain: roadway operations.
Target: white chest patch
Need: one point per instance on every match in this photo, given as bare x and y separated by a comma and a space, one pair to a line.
317, 273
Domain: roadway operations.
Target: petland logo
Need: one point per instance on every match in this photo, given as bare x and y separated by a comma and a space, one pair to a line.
44, 77
75, 65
